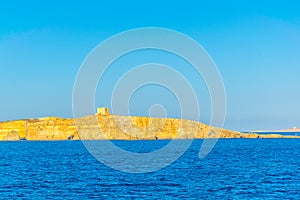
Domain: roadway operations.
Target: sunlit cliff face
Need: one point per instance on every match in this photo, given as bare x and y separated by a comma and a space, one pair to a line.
103, 126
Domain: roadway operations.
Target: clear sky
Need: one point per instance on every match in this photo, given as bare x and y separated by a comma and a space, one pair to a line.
255, 44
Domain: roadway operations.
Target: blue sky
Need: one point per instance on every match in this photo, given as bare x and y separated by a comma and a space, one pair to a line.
255, 44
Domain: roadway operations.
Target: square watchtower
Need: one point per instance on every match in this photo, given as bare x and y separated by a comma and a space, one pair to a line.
103, 111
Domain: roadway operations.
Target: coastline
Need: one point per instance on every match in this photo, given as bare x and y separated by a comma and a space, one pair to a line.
291, 130
106, 126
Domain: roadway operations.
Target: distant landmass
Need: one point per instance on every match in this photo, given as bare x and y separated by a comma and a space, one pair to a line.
105, 126
290, 130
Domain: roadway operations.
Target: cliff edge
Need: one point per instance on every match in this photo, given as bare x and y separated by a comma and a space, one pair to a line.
104, 125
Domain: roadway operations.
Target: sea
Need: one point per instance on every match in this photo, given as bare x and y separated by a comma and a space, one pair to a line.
234, 169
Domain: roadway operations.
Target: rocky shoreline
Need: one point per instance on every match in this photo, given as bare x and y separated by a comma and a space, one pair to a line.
103, 126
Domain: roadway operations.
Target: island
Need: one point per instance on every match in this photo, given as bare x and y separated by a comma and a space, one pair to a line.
290, 130
106, 126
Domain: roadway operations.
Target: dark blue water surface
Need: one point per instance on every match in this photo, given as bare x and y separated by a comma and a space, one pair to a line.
283, 133
235, 169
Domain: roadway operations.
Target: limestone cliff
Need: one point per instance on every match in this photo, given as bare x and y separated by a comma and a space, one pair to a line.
106, 126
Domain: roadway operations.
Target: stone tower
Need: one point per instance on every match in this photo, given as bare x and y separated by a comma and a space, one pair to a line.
103, 111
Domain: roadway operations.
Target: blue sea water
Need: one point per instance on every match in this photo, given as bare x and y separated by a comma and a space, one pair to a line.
283, 133
235, 169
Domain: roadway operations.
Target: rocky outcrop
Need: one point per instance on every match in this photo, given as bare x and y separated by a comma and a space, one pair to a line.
49, 128
106, 126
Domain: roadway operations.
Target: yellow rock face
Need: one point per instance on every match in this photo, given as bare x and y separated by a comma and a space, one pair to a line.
104, 126
10, 130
